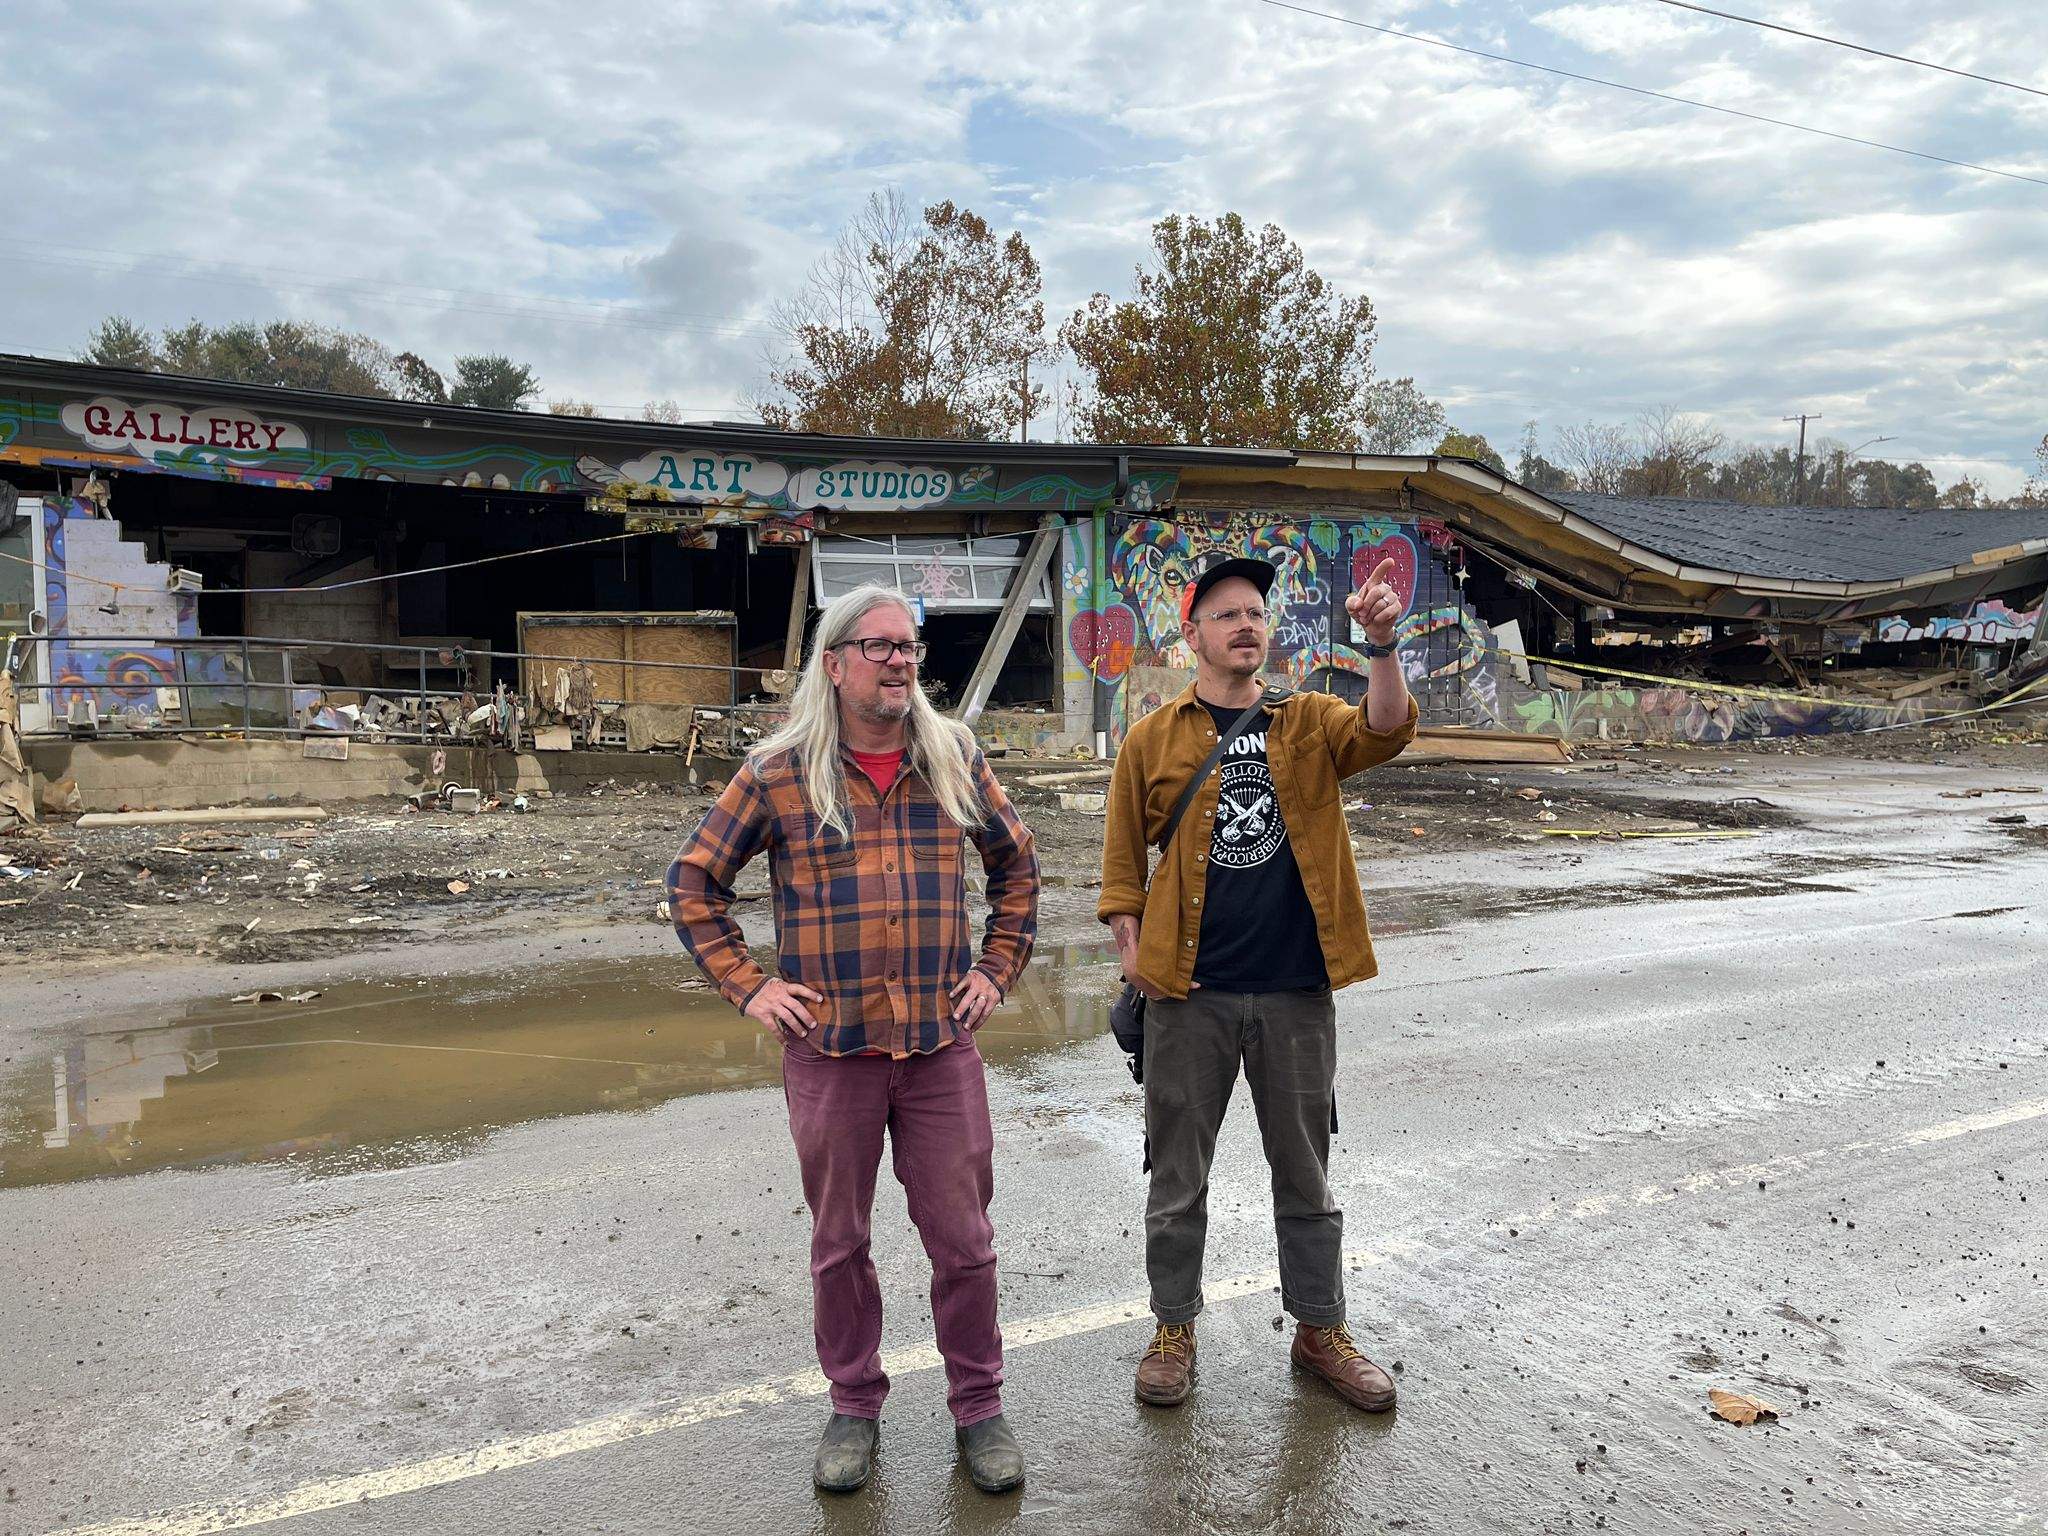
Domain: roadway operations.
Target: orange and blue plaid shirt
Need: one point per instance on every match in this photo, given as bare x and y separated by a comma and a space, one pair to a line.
877, 922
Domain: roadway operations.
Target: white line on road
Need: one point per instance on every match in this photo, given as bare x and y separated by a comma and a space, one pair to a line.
658, 1418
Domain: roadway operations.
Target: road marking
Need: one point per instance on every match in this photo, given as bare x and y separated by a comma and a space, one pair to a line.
1777, 1167
681, 1413
653, 1419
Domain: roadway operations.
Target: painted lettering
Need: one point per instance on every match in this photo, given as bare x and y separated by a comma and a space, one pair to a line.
218, 429
739, 467
156, 430
127, 426
942, 485
99, 421
245, 435
666, 474
273, 433
185, 434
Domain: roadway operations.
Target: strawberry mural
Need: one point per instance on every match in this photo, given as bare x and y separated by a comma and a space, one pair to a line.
1104, 640
1400, 549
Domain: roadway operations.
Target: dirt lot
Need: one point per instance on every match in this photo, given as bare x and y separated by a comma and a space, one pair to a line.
377, 875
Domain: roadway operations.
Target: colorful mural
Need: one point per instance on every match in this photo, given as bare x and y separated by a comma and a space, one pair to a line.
1992, 623
116, 676
236, 443
1124, 640
1125, 657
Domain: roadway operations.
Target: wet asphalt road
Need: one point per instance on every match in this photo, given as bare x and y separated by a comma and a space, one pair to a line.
1622, 1123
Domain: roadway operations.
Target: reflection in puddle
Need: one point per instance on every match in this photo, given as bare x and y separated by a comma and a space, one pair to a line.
386, 1074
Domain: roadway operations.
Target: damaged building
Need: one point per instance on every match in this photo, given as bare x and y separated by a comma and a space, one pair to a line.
284, 569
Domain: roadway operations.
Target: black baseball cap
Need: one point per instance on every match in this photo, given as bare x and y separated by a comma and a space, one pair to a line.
1259, 573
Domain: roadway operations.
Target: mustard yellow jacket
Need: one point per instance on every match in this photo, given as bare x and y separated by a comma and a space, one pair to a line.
1315, 743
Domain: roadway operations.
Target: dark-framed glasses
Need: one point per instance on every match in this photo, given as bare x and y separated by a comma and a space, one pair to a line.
880, 652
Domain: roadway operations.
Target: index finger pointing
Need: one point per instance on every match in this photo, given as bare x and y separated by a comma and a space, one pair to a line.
1380, 575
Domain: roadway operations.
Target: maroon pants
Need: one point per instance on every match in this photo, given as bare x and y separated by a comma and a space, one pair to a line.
935, 1110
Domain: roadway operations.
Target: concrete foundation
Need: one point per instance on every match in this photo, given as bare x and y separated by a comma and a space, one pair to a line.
181, 775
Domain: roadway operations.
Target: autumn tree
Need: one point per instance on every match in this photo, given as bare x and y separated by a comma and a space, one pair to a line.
1534, 470
1471, 445
912, 326
1229, 337
1399, 418
289, 354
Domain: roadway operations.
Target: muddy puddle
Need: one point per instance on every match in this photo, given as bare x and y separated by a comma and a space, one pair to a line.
373, 1074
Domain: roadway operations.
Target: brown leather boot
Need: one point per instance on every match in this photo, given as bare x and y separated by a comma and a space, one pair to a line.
1330, 1354
1167, 1372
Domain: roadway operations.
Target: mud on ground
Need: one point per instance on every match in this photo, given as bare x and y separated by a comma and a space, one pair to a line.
374, 875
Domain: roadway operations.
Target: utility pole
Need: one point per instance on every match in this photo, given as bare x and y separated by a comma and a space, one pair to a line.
1799, 469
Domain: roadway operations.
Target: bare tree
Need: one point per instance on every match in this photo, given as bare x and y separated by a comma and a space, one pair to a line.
1598, 456
1674, 454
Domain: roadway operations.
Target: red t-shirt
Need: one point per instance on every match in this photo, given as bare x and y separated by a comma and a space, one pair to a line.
881, 767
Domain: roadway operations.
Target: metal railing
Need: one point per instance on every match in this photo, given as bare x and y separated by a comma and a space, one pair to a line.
248, 648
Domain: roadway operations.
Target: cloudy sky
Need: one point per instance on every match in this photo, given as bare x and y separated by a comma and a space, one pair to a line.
617, 194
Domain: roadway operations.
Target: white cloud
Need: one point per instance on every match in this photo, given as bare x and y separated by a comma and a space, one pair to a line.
620, 202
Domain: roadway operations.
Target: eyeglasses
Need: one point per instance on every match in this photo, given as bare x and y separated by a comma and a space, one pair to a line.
1235, 615
881, 651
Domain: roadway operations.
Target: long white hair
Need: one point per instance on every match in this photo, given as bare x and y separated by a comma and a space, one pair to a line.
937, 748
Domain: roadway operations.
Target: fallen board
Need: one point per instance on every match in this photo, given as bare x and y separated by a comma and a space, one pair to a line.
1449, 744
221, 813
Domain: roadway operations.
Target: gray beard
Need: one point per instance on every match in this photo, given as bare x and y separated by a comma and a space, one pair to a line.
882, 711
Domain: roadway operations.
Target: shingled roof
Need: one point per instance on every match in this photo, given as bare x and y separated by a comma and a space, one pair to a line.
1809, 543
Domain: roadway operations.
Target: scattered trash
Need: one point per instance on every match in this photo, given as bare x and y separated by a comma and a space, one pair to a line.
1529, 794
250, 926
1738, 1409
457, 887
60, 797
258, 997
303, 997
270, 853
2012, 819
520, 806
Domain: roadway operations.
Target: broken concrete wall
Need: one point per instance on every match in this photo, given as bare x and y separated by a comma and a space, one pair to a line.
182, 775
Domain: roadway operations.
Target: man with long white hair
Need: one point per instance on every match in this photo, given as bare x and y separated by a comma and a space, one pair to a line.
862, 802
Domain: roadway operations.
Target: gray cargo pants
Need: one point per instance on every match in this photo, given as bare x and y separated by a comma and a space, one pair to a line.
1287, 1042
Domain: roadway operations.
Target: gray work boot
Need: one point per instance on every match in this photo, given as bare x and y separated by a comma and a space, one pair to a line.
846, 1453
994, 1458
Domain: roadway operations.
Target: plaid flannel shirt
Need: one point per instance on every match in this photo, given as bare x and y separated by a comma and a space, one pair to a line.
877, 923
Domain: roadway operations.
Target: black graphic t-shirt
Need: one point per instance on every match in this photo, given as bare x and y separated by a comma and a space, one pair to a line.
1258, 929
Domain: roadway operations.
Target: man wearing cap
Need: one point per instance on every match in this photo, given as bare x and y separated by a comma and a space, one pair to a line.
1253, 917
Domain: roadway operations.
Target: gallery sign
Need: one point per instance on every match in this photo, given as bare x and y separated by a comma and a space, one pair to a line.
115, 426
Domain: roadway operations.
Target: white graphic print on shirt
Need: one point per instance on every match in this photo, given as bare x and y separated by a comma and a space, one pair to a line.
1249, 830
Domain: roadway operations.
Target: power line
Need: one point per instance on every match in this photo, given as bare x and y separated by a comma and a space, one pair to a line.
1638, 90
359, 581
506, 307
1822, 37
